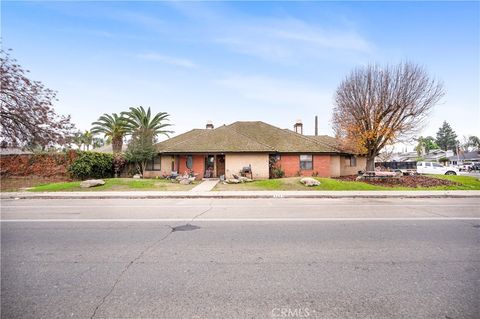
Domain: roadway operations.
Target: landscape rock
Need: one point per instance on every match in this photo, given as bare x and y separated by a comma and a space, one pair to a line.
136, 176
185, 181
308, 181
92, 183
244, 179
233, 181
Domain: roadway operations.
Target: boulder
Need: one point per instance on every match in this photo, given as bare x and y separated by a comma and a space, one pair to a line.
233, 181
136, 176
244, 179
308, 181
92, 183
185, 181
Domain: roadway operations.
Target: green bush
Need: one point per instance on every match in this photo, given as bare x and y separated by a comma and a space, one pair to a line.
443, 159
278, 172
92, 165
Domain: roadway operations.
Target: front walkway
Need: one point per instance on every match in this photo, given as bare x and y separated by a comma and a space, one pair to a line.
205, 186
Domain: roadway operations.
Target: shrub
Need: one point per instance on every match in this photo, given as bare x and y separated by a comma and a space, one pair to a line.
141, 149
277, 172
443, 160
92, 165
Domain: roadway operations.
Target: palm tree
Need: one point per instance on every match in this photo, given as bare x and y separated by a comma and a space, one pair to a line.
140, 120
78, 139
98, 142
87, 139
114, 128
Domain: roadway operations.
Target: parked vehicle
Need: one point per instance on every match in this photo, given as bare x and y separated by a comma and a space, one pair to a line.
435, 168
465, 167
475, 166
406, 168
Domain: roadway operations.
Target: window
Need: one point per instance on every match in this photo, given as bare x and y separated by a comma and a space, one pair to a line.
428, 164
189, 162
154, 164
353, 161
419, 164
306, 162
437, 165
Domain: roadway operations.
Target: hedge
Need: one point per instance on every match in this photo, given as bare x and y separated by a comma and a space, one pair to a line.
92, 165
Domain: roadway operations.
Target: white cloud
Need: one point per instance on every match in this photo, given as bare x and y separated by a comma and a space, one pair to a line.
277, 91
287, 39
168, 59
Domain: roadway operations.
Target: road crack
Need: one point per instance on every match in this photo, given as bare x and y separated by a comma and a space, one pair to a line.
204, 212
140, 255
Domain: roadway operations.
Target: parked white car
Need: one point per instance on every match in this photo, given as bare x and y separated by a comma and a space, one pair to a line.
435, 168
465, 167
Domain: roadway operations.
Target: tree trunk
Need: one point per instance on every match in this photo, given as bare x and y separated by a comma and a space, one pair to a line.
370, 163
143, 165
117, 144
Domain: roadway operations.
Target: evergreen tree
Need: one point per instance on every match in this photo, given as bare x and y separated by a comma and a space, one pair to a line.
446, 137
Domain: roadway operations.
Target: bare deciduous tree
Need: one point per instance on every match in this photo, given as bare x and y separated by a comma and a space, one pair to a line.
27, 116
378, 106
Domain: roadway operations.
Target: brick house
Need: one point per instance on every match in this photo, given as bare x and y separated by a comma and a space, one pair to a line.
226, 150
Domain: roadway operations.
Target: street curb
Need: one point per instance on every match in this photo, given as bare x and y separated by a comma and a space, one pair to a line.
209, 195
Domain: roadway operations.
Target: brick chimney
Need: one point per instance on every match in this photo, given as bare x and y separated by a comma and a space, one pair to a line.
316, 125
298, 127
209, 125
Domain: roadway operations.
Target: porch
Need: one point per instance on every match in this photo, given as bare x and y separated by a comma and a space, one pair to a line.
202, 166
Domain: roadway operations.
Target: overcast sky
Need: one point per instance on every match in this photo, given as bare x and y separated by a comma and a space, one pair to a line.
224, 62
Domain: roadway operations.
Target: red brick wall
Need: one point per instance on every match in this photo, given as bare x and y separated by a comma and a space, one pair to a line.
198, 165
45, 165
182, 164
290, 164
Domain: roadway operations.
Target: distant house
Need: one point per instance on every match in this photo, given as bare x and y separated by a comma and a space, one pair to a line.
464, 157
228, 149
436, 155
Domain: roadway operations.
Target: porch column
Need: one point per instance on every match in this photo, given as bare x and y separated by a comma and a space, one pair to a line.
215, 165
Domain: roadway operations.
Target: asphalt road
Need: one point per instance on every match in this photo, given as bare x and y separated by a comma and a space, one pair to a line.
268, 258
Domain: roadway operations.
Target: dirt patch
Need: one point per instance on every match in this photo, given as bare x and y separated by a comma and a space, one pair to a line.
413, 181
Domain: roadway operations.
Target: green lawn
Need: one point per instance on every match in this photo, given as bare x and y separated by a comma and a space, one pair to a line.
115, 184
329, 184
283, 184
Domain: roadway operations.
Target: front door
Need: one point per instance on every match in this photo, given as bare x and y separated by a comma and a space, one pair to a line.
220, 165
209, 166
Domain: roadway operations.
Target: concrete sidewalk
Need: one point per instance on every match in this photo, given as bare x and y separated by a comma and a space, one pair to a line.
205, 186
245, 194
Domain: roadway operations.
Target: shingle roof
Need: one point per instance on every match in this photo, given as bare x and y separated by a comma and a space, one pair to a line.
179, 139
283, 141
222, 139
247, 137
108, 148
469, 156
